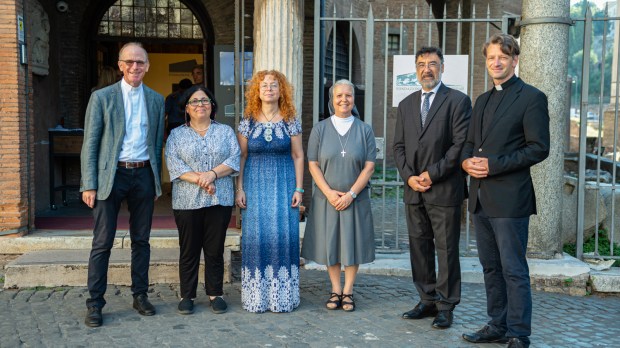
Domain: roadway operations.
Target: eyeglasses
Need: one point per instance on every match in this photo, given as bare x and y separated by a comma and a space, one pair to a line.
129, 62
196, 102
430, 65
266, 87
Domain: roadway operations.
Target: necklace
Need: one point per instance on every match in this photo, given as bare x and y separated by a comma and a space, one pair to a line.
268, 126
343, 152
199, 130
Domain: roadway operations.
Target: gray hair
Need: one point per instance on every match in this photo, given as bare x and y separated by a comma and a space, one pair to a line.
343, 82
136, 44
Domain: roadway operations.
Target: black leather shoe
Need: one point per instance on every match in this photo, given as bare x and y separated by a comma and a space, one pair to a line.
420, 311
515, 342
186, 306
443, 320
143, 306
94, 318
218, 305
486, 335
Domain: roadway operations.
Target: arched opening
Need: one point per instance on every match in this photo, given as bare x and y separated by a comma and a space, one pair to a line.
177, 34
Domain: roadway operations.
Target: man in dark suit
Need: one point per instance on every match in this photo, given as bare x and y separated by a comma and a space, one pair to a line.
509, 133
121, 160
431, 128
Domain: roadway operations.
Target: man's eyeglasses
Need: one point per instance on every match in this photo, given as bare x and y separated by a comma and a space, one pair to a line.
129, 62
431, 65
196, 102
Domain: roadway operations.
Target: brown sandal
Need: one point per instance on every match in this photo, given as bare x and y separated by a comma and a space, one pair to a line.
337, 301
351, 303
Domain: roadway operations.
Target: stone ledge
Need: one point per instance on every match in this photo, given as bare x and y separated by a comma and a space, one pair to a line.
54, 268
567, 275
56, 240
606, 281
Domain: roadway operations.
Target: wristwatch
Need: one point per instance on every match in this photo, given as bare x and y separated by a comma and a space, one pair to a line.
353, 194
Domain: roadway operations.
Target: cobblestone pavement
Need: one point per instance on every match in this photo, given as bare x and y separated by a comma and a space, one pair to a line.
54, 318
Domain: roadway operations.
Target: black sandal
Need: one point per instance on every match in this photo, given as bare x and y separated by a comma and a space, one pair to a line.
351, 304
337, 302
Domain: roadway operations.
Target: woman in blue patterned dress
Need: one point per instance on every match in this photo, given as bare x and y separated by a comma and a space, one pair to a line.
269, 190
201, 155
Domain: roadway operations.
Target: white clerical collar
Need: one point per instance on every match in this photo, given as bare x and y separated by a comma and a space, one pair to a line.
127, 87
499, 87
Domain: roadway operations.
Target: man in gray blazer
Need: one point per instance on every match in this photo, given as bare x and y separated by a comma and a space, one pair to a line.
431, 128
121, 160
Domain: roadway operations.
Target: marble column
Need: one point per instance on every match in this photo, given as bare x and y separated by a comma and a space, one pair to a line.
278, 44
544, 64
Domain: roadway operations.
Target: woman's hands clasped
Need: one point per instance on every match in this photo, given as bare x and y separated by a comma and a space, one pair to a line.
339, 200
206, 180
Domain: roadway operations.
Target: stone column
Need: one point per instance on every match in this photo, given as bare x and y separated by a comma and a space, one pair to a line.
278, 44
544, 64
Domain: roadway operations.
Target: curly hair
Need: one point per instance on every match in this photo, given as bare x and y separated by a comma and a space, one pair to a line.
285, 103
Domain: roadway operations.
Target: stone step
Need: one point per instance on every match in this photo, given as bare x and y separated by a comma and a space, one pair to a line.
82, 239
55, 268
606, 281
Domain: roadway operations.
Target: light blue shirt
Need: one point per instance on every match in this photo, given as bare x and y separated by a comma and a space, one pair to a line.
134, 146
187, 151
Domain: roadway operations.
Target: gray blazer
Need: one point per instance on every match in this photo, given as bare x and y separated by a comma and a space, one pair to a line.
104, 130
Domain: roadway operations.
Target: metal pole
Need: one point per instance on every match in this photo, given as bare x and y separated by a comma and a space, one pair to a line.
581, 181
370, 34
317, 58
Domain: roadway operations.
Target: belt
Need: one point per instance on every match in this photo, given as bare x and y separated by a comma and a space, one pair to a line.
132, 165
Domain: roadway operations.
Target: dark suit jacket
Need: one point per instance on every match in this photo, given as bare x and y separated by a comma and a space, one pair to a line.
516, 139
436, 148
104, 130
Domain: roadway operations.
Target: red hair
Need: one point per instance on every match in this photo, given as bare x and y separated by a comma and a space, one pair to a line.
285, 103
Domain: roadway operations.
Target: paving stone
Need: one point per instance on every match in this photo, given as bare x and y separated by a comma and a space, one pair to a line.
54, 317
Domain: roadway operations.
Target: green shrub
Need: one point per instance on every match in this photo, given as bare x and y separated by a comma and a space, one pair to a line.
590, 245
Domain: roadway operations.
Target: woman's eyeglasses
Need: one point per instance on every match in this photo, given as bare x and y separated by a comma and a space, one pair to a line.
196, 102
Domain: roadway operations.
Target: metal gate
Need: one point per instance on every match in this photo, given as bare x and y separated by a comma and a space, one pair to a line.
597, 154
372, 40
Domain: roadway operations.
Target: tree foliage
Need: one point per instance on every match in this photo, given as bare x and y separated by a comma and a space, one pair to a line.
575, 57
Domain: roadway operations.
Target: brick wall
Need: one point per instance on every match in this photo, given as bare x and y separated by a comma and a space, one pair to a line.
15, 139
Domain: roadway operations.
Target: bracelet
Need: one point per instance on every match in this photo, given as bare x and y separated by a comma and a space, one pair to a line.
239, 190
214, 173
298, 189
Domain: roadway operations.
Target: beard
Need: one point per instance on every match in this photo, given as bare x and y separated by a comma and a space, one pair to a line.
430, 84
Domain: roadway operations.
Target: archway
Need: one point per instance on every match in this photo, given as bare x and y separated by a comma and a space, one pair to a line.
170, 31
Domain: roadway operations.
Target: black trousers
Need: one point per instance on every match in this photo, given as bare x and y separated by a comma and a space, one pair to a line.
137, 186
433, 229
202, 230
502, 247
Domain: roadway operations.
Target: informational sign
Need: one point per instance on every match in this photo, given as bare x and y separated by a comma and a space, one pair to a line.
406, 82
20, 29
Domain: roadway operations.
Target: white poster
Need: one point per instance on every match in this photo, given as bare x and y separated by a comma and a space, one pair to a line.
406, 82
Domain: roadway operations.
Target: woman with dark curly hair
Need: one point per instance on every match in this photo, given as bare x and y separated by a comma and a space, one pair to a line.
269, 190
201, 156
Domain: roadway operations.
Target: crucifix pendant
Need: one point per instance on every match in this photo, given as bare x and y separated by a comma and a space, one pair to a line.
343, 152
